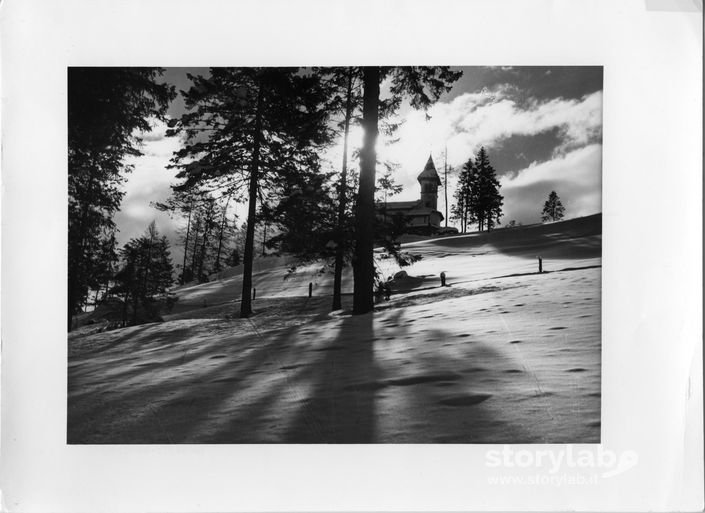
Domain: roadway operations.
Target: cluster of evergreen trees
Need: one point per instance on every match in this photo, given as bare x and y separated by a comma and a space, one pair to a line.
478, 200
144, 277
249, 134
253, 135
262, 131
477, 197
106, 108
210, 237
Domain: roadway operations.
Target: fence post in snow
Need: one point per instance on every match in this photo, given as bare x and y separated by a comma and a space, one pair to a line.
254, 293
540, 265
310, 289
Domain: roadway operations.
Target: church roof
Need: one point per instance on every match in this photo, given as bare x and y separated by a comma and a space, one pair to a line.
409, 208
429, 172
400, 205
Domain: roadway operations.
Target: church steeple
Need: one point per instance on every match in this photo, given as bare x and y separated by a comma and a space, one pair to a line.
429, 180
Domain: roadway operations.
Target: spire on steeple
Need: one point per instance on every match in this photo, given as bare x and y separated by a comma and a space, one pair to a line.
429, 172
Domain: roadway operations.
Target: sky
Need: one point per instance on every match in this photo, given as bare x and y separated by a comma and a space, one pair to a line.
541, 127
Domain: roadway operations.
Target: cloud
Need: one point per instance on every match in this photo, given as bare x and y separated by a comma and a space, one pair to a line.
497, 120
149, 181
575, 176
537, 144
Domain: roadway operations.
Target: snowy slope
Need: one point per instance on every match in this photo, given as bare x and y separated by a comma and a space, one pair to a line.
574, 243
503, 355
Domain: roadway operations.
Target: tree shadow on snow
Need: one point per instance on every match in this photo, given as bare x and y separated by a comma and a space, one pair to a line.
337, 411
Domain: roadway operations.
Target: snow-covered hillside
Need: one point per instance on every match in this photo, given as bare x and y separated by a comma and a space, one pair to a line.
502, 355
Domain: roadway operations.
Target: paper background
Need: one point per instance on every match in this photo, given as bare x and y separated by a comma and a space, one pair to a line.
652, 265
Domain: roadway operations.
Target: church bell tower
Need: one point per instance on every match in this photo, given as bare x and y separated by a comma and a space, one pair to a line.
429, 181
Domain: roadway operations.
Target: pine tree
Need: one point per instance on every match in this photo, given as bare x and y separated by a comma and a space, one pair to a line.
553, 209
183, 203
422, 85
225, 234
106, 108
145, 275
462, 210
304, 218
346, 99
486, 199
244, 126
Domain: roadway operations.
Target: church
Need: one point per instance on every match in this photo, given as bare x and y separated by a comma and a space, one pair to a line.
421, 215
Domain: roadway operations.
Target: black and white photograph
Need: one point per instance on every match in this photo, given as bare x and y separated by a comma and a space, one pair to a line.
406, 254
351, 256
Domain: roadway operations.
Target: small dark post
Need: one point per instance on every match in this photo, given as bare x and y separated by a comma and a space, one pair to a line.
443, 279
310, 289
540, 265
254, 293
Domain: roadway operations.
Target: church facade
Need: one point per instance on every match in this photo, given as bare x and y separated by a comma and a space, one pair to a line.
421, 215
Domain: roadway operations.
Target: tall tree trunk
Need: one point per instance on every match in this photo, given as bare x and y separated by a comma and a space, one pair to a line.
148, 264
188, 230
342, 193
445, 184
246, 303
363, 267
204, 243
193, 253
220, 235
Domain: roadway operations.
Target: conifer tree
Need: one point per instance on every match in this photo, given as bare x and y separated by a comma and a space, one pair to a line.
244, 126
304, 218
182, 203
462, 210
346, 99
146, 274
553, 209
487, 201
422, 85
107, 107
